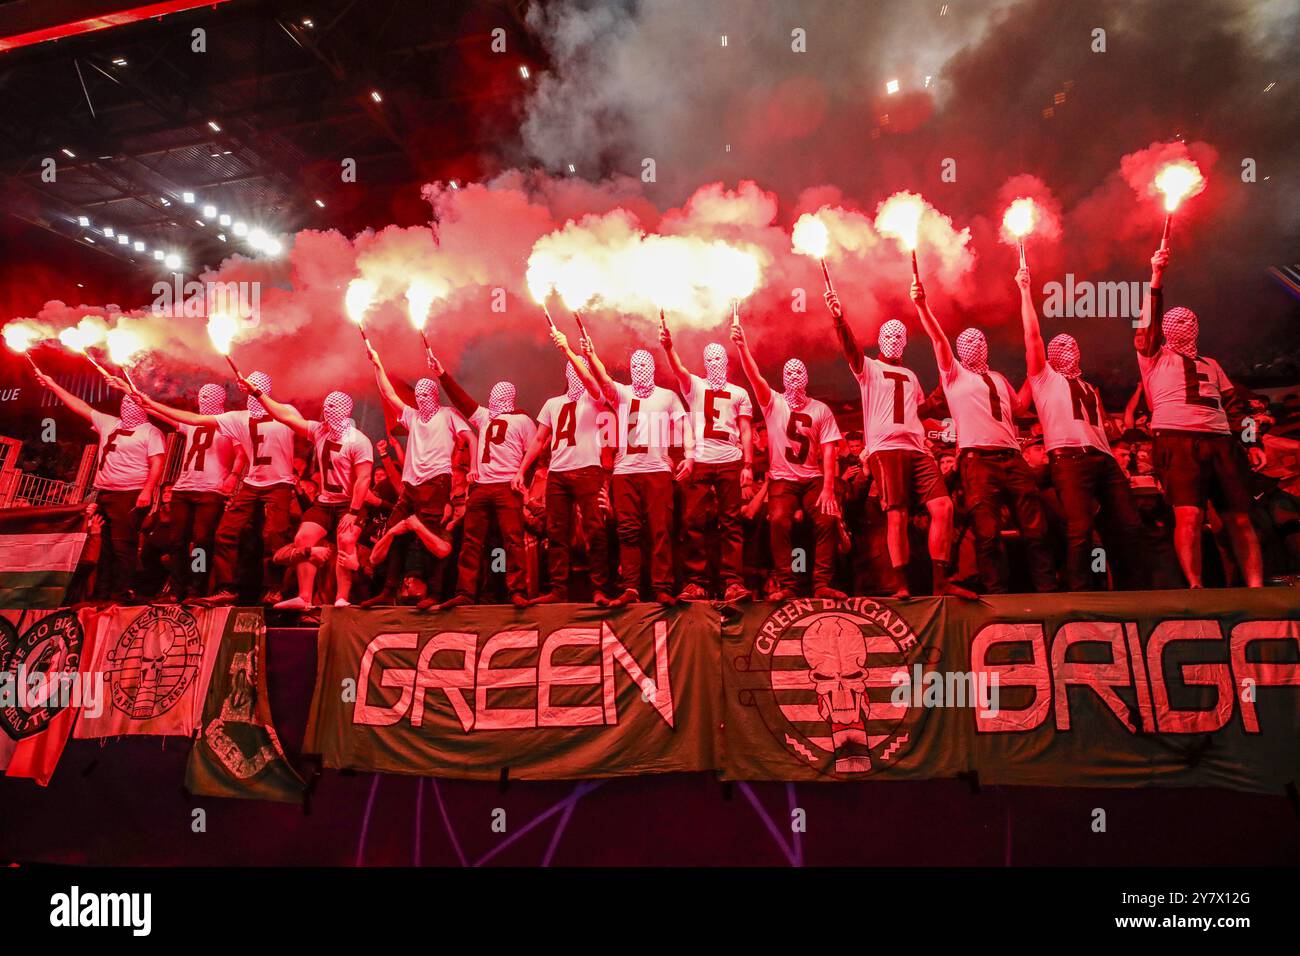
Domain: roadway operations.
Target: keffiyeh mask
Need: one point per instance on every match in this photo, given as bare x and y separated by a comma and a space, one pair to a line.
892, 339
1180, 328
426, 398
973, 351
1063, 355
262, 382
131, 413
794, 378
575, 387
643, 373
715, 366
212, 399
336, 410
502, 399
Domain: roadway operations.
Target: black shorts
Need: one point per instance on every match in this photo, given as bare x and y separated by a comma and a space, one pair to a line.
906, 477
326, 515
1196, 466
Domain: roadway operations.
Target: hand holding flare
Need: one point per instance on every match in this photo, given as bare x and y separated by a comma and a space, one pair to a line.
20, 338
1176, 181
899, 216
1018, 222
810, 237
357, 301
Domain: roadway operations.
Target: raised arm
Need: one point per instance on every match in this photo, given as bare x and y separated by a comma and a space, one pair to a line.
386, 390
848, 341
942, 349
76, 405
459, 397
762, 391
1035, 354
281, 412
589, 380
1131, 409
674, 360
599, 371
1147, 337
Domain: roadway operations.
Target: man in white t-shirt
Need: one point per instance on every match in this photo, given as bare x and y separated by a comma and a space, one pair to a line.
902, 467
504, 434
721, 420
570, 425
1088, 480
801, 440
983, 406
128, 466
434, 433
647, 420
266, 488
1197, 457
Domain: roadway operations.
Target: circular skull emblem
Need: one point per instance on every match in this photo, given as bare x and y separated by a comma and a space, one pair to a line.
154, 661
824, 675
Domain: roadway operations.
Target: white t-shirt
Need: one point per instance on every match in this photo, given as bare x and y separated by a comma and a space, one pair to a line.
575, 431
645, 430
715, 416
1185, 394
122, 463
267, 443
1069, 410
209, 456
337, 461
890, 397
795, 438
431, 445
503, 441
982, 408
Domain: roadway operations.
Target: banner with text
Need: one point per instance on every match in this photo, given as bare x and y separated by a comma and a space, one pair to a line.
557, 691
1163, 688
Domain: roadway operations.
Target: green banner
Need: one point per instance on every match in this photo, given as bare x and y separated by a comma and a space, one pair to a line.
553, 692
237, 752
1162, 688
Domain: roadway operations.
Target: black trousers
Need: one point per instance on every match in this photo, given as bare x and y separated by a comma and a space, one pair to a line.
784, 499
987, 481
1085, 482
273, 502
643, 505
119, 563
722, 481
484, 503
194, 518
566, 490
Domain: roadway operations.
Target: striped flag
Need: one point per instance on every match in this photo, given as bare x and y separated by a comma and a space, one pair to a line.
39, 551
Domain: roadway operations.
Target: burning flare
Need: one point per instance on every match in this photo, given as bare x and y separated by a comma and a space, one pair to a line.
221, 330
899, 216
123, 345
420, 296
20, 337
89, 331
1019, 221
810, 236
1178, 180
358, 299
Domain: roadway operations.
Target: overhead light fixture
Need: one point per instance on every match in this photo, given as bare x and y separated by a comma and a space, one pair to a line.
240, 229
199, 222
164, 200
172, 260
123, 239
891, 87
374, 95
223, 219
221, 236
83, 221
319, 203
523, 72
307, 22
69, 153
454, 184
108, 231
158, 254
187, 198
572, 169
257, 238
210, 212
212, 125
272, 247
138, 246
119, 61
89, 240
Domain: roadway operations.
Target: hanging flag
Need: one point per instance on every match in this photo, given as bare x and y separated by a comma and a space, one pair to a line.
39, 550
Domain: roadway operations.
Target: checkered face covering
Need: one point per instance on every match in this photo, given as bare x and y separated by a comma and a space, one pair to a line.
1063, 355
892, 339
426, 398
794, 379
575, 386
643, 373
337, 411
501, 399
131, 413
1180, 328
262, 382
973, 351
212, 399
715, 366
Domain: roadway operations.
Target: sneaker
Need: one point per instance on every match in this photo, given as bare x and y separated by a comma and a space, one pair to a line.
737, 593
271, 597
829, 594
294, 603
342, 602
623, 600
666, 598
383, 599
693, 592
782, 594
220, 599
